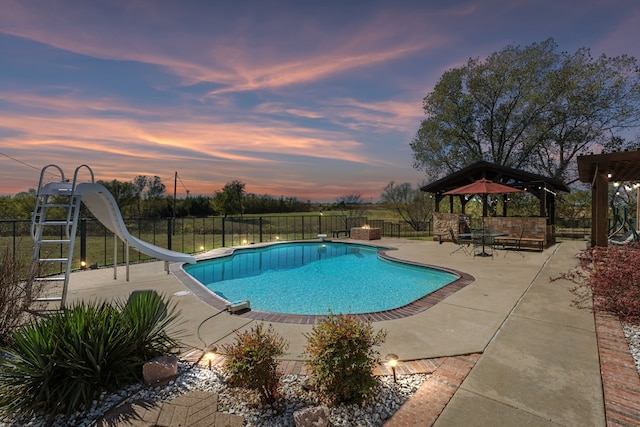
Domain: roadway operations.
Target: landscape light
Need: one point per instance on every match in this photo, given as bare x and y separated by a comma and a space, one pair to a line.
392, 361
209, 355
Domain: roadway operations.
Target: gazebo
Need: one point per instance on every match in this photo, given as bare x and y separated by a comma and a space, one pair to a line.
542, 187
598, 170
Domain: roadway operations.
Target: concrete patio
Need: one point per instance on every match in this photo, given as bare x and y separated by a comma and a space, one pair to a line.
539, 362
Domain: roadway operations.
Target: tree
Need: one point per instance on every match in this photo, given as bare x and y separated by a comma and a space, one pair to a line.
351, 206
229, 200
139, 184
531, 108
24, 203
124, 194
414, 206
574, 208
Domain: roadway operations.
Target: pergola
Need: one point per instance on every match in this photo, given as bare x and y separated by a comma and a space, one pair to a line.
544, 188
598, 170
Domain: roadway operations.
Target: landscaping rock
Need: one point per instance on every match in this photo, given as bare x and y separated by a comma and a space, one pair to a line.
317, 416
160, 370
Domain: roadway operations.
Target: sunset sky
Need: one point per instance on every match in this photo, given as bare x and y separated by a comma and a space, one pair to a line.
307, 99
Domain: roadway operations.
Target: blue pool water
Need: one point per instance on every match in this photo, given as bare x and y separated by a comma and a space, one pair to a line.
313, 278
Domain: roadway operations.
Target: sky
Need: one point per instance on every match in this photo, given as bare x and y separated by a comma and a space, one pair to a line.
307, 99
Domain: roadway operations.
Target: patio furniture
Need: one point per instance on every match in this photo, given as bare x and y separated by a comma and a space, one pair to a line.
482, 240
461, 244
512, 244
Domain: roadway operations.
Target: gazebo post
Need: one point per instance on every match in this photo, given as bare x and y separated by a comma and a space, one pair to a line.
600, 209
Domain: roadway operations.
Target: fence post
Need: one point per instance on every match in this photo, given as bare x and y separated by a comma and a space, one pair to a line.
303, 227
169, 233
223, 233
14, 239
260, 226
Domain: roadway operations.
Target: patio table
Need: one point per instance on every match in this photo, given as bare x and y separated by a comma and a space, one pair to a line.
484, 236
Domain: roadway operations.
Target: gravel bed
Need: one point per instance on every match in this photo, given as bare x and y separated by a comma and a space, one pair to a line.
632, 332
388, 398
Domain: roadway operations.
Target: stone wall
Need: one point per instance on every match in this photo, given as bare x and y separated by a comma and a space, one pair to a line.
534, 227
442, 222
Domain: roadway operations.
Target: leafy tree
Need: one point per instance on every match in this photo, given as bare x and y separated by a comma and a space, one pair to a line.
8, 208
574, 208
229, 200
155, 188
139, 184
20, 206
413, 205
124, 193
531, 108
195, 206
155, 204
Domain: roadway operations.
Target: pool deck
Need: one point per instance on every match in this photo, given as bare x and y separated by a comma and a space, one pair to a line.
510, 348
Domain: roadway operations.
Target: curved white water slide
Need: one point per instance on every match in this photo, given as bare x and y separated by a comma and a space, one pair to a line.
104, 207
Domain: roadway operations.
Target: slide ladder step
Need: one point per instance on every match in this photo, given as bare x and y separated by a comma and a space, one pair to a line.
56, 205
56, 222
49, 279
55, 241
48, 299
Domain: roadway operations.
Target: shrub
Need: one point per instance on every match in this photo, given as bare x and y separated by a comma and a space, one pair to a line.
63, 362
16, 299
615, 279
342, 357
251, 362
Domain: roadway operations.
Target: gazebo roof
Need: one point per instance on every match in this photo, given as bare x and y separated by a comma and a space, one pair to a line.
528, 181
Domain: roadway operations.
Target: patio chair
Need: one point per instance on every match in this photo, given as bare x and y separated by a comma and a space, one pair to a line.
461, 244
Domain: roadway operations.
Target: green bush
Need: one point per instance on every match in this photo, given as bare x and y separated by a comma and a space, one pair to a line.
251, 361
342, 357
63, 362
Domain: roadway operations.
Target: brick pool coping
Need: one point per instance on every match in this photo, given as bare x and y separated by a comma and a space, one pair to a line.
414, 307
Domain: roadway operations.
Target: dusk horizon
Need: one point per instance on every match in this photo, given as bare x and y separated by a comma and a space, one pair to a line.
312, 101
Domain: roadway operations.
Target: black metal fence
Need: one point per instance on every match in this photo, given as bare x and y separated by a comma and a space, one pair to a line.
95, 243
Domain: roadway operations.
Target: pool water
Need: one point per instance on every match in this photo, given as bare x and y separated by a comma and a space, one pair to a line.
317, 277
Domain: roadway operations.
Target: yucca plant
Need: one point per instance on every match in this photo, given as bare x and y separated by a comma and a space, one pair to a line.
151, 323
64, 362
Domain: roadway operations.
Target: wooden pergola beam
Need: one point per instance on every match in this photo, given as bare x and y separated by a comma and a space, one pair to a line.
598, 170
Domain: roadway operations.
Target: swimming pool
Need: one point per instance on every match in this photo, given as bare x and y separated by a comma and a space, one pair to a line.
313, 278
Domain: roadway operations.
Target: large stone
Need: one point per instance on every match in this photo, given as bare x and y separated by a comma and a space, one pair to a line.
316, 416
160, 370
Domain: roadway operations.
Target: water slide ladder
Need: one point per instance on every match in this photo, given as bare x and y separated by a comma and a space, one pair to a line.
54, 224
